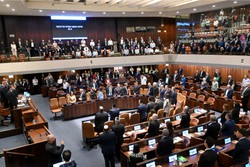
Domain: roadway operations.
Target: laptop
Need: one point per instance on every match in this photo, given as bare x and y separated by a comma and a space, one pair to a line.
172, 158
219, 120
227, 140
193, 151
150, 164
166, 120
151, 142
137, 127
177, 117
185, 133
131, 147
200, 129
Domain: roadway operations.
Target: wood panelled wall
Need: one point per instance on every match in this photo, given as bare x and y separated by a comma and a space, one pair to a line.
189, 70
38, 28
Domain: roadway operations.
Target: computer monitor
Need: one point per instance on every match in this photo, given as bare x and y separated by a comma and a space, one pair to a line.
200, 128
196, 110
247, 165
150, 164
26, 94
193, 151
227, 140
185, 132
137, 127
166, 120
177, 117
151, 142
219, 120
172, 158
131, 147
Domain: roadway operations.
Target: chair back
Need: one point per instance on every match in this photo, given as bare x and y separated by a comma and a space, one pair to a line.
225, 160
88, 98
122, 121
22, 57
141, 91
62, 101
208, 115
126, 117
109, 123
192, 95
135, 118
13, 58
202, 120
160, 113
171, 112
177, 110
53, 103
88, 130
145, 91
201, 98
245, 119
211, 101
104, 93
184, 93
194, 122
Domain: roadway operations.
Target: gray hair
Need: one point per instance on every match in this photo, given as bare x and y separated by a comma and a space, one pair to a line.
165, 132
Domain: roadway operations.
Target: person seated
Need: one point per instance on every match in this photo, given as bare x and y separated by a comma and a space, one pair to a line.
153, 128
95, 53
137, 51
136, 156
92, 94
236, 112
165, 144
157, 50
241, 150
105, 53
67, 160
228, 127
146, 50
100, 94
89, 53
71, 97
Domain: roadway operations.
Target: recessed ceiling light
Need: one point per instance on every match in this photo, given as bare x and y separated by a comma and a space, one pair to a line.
235, 1
8, 5
40, 11
63, 11
142, 12
213, 6
160, 12
2, 0
13, 10
104, 13
83, 12
194, 9
123, 13
177, 12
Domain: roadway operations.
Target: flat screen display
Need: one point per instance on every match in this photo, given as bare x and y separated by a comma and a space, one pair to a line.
177, 117
172, 158
185, 133
150, 164
166, 120
192, 151
227, 140
151, 142
200, 129
137, 127
131, 147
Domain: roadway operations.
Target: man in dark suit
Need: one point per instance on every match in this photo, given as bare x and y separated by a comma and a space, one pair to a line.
119, 130
107, 142
228, 92
173, 96
155, 89
168, 80
151, 104
118, 90
82, 95
230, 81
228, 127
202, 73
136, 88
185, 119
109, 90
53, 151
100, 118
165, 144
242, 148
114, 112
12, 97
4, 93
150, 89
209, 157
153, 129
94, 85
245, 97
70, 88
196, 76
213, 129
142, 109
158, 104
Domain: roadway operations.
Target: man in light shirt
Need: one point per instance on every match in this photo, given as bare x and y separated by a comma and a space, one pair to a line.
245, 80
143, 80
35, 85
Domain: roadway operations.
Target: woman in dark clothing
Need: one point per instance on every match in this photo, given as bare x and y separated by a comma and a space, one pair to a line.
236, 112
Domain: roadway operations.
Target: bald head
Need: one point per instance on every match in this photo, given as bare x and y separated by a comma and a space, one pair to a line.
51, 138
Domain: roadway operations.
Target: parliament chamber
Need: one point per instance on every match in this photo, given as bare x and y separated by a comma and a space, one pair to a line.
75, 73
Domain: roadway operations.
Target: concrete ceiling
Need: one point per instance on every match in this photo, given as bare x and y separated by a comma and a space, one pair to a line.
113, 8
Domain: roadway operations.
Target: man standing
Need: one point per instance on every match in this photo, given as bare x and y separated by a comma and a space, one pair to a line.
100, 118
228, 127
213, 129
114, 112
165, 144
35, 85
185, 119
107, 142
142, 109
53, 151
119, 130
153, 129
245, 97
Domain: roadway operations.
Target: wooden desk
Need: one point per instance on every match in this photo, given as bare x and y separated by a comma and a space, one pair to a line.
85, 108
38, 135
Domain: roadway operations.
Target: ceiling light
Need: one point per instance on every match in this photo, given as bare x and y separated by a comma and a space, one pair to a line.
40, 11
235, 1
2, 0
104, 13
123, 12
83, 12
213, 6
177, 12
160, 12
63, 11
8, 5
194, 9
142, 12
13, 10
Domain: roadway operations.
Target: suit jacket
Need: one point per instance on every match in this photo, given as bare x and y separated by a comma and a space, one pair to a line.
83, 96
180, 71
119, 130
240, 153
150, 106
246, 93
230, 82
100, 119
53, 153
158, 105
196, 77
173, 96
114, 112
107, 142
153, 129
165, 146
228, 128
213, 131
169, 82
142, 109
202, 74
229, 94
109, 93
150, 91
185, 120
155, 91
222, 116
207, 159
136, 90
12, 99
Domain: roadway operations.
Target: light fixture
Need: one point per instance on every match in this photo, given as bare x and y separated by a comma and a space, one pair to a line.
177, 12
68, 18
2, 0
194, 9
160, 12
213, 6
8, 5
159, 31
40, 11
235, 1
13, 10
142, 12
63, 11
165, 31
11, 76
104, 13
123, 12
83, 12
